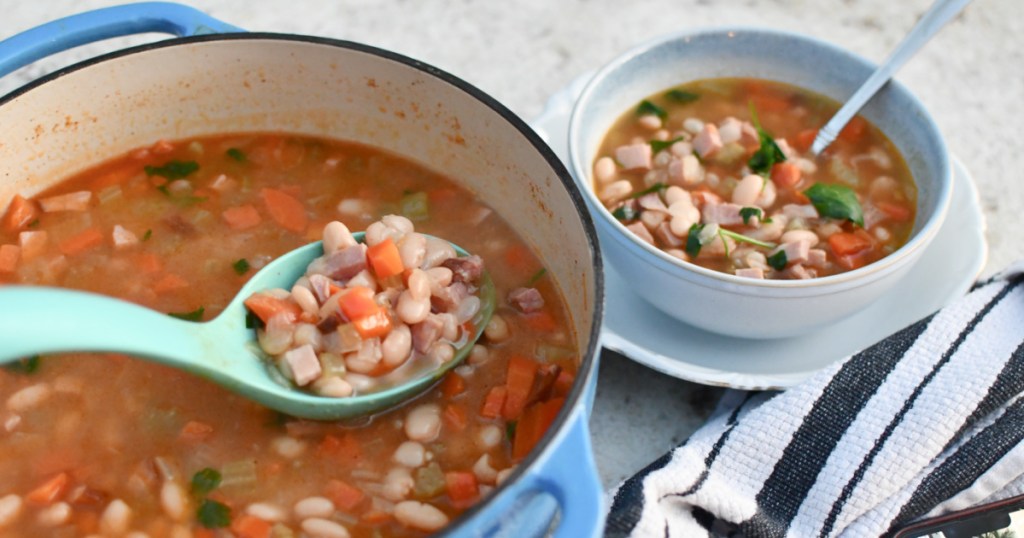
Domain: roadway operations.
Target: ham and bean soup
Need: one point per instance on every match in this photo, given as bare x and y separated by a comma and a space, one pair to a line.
369, 316
106, 445
718, 172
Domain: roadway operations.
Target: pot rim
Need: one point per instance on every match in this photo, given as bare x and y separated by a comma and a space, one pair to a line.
587, 371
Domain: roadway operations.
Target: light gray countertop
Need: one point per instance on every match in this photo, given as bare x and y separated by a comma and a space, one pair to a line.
971, 77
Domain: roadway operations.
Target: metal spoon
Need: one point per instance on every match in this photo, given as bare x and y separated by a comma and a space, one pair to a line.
941, 12
39, 320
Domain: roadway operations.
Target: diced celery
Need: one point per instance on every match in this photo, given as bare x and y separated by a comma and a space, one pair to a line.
546, 352
110, 194
196, 147
241, 473
349, 338
332, 364
415, 206
429, 481
729, 154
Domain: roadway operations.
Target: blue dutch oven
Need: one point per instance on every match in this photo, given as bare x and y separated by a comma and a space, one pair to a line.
215, 78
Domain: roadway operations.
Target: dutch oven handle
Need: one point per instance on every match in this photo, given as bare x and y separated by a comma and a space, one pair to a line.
69, 32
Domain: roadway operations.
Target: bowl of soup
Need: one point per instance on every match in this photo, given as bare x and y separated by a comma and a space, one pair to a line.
693, 152
168, 174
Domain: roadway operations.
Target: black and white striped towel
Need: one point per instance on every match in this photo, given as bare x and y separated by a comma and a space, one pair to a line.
928, 421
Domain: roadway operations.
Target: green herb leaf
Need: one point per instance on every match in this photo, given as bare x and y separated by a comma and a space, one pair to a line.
213, 515
693, 244
173, 169
536, 276
147, 235
25, 366
34, 223
415, 206
661, 145
251, 321
205, 481
748, 212
657, 187
625, 213
682, 96
195, 315
837, 202
236, 154
241, 266
768, 153
745, 239
510, 429
778, 260
647, 108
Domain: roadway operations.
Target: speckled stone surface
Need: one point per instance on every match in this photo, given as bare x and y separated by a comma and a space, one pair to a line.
971, 77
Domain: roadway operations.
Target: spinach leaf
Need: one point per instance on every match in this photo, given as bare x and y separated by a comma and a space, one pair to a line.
693, 244
173, 169
625, 213
661, 145
769, 153
778, 260
205, 481
681, 96
837, 202
748, 212
646, 108
213, 515
25, 366
195, 315
236, 154
657, 187
241, 266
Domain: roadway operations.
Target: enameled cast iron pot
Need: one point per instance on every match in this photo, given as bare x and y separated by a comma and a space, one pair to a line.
214, 78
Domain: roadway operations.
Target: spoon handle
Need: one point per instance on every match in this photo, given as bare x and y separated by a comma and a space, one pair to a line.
38, 320
941, 12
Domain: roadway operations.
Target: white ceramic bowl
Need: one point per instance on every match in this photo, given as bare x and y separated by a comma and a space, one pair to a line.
725, 303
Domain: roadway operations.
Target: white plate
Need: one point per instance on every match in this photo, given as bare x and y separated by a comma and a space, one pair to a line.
632, 327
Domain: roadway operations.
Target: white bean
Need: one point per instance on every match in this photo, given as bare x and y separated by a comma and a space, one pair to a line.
767, 197
376, 233
337, 237
420, 515
10, 509
410, 454
333, 387
412, 310
423, 423
693, 125
504, 474
440, 278
305, 298
497, 329
278, 335
675, 193
483, 470
54, 515
616, 190
173, 501
747, 190
397, 484
116, 518
29, 397
800, 235
398, 223
450, 330
419, 283
396, 346
604, 170
308, 334
478, 355
441, 353
488, 436
467, 309
412, 248
649, 122
438, 250
267, 512
324, 528
313, 507
288, 447
882, 234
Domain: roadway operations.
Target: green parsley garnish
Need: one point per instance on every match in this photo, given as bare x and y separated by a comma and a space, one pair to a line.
657, 187
778, 260
682, 96
195, 315
748, 212
837, 202
762, 161
647, 108
25, 366
745, 238
236, 154
625, 213
536, 276
34, 223
510, 429
147, 235
661, 145
205, 481
693, 244
173, 169
241, 266
213, 515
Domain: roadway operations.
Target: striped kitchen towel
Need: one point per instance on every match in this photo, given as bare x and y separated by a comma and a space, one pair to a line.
928, 421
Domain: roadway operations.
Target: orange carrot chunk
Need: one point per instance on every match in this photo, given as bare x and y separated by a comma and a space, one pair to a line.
895, 211
20, 213
343, 495
49, 491
531, 426
454, 416
375, 325
358, 303
170, 282
83, 242
804, 139
785, 175
288, 212
249, 526
266, 307
452, 385
519, 381
846, 244
462, 487
385, 259
493, 402
241, 218
854, 129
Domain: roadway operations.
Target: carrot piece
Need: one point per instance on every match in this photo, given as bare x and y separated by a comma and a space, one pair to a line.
148, 263
32, 244
241, 218
770, 103
203, 533
288, 212
9, 256
266, 307
453, 384
519, 258
519, 382
344, 496
20, 213
462, 487
804, 139
249, 526
373, 326
563, 383
854, 129
345, 447
376, 517
114, 176
454, 416
358, 303
83, 242
531, 427
493, 402
785, 175
49, 491
541, 322
194, 431
846, 244
169, 283
895, 211
385, 259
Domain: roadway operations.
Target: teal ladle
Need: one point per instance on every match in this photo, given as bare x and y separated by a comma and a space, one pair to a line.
39, 320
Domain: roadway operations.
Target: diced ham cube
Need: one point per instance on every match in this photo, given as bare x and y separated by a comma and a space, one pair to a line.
727, 214
32, 243
526, 299
817, 257
796, 251
800, 272
663, 233
795, 211
72, 201
303, 363
730, 130
123, 238
652, 202
748, 136
641, 231
449, 297
465, 269
634, 156
750, 272
321, 287
708, 141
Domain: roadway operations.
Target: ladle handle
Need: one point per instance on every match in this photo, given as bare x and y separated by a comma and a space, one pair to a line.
941, 12
39, 320
97, 25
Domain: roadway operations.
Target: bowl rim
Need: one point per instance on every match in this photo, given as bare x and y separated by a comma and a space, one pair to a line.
688, 270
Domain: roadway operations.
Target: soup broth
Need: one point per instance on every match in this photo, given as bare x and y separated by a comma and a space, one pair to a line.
106, 444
